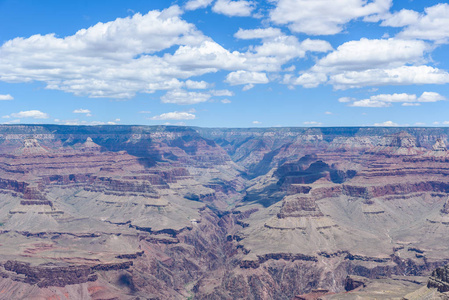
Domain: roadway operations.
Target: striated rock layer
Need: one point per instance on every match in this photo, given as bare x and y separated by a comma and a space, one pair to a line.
135, 212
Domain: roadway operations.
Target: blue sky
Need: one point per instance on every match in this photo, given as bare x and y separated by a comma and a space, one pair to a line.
223, 63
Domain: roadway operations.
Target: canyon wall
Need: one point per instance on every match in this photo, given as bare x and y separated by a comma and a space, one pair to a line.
160, 212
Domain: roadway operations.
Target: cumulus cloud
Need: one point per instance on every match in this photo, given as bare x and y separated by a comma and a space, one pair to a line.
248, 87
365, 53
386, 124
376, 62
310, 80
126, 56
433, 24
183, 97
233, 8
225, 101
196, 4
196, 85
431, 97
405, 75
226, 93
245, 77
113, 59
175, 116
400, 19
346, 99
324, 17
34, 114
6, 97
386, 100
278, 50
370, 103
257, 122
259, 33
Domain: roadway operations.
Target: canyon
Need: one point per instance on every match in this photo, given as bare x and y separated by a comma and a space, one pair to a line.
174, 212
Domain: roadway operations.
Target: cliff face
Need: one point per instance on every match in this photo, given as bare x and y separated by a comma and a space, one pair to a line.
174, 212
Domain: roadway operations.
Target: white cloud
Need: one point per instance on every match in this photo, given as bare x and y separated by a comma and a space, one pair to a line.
175, 124
144, 112
432, 25
316, 45
6, 97
400, 19
405, 75
431, 97
175, 116
35, 114
17, 121
367, 62
325, 16
184, 97
233, 8
196, 4
219, 93
366, 53
369, 103
419, 124
312, 123
260, 33
386, 124
394, 97
123, 57
225, 101
276, 51
328, 113
81, 111
168, 84
245, 77
257, 122
196, 85
310, 80
346, 99
248, 87
113, 59
386, 100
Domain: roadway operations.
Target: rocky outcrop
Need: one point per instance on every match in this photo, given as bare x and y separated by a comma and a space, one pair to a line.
300, 206
32, 146
439, 146
45, 276
354, 282
402, 143
440, 279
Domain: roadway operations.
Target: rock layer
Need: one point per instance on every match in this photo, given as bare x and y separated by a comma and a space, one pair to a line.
178, 212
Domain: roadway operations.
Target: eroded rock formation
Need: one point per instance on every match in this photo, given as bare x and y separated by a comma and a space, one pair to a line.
175, 212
